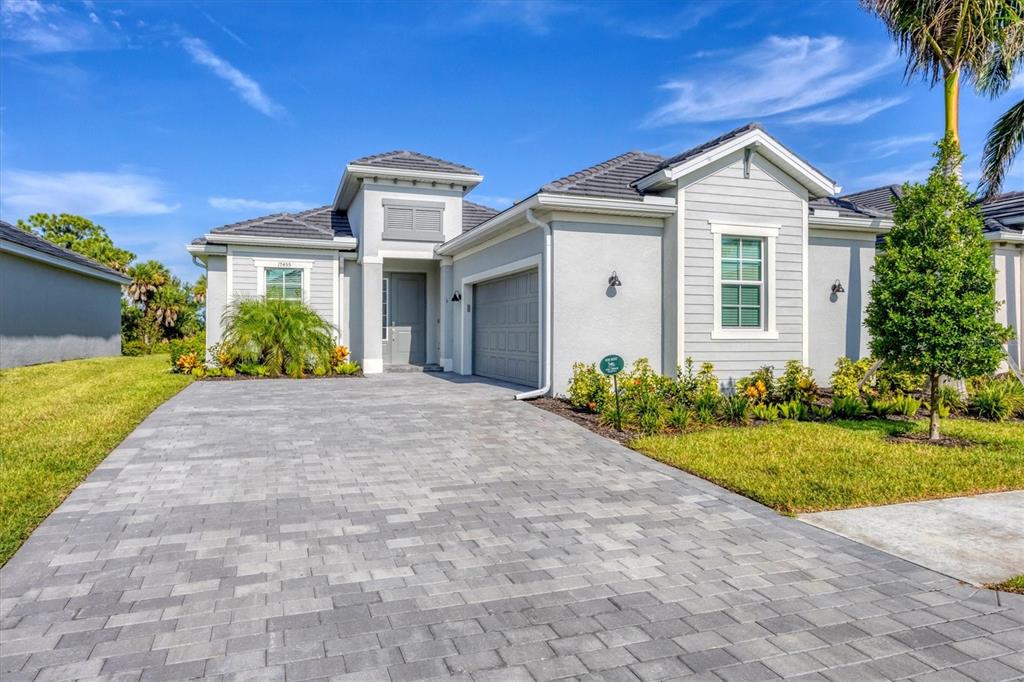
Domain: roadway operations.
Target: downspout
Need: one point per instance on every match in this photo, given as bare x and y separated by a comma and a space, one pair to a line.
198, 263
549, 299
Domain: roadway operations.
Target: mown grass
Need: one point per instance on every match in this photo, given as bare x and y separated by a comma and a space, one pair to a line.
1015, 585
58, 421
797, 467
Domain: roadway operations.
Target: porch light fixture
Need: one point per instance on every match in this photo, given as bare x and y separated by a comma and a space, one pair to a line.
837, 287
456, 297
614, 280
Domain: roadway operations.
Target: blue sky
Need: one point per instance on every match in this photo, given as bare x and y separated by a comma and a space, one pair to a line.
162, 120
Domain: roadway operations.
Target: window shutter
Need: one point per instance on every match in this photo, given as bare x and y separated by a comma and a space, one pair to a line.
398, 218
428, 220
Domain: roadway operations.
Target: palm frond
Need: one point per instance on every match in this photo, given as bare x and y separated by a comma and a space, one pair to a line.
1001, 147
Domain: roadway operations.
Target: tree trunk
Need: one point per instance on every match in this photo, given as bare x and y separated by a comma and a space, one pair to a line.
933, 427
952, 99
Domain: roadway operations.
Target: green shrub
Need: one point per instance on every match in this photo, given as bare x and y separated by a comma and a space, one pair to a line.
998, 399
134, 348
680, 417
759, 387
613, 415
797, 383
890, 382
285, 336
950, 400
589, 389
194, 345
847, 376
766, 412
214, 371
227, 371
906, 405
253, 369
736, 409
794, 409
848, 407
880, 407
648, 410
821, 412
348, 368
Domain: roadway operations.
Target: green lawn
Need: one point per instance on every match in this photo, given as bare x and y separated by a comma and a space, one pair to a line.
58, 421
802, 466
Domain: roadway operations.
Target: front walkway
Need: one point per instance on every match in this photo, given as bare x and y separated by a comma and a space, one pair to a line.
979, 539
405, 527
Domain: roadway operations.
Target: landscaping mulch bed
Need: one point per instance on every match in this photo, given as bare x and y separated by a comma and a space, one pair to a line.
250, 377
587, 420
945, 441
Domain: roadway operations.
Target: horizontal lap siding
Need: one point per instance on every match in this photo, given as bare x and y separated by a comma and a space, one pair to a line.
723, 196
321, 284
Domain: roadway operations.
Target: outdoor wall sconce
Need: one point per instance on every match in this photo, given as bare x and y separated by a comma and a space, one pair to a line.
614, 280
837, 287
456, 297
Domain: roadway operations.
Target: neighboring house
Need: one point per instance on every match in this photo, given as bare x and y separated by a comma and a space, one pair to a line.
736, 252
55, 304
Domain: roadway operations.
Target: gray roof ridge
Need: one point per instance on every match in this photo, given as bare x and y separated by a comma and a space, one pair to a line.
394, 152
296, 216
63, 252
597, 170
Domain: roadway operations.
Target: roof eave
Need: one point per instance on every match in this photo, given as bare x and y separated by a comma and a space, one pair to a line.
48, 259
850, 222
354, 173
1004, 236
818, 184
337, 243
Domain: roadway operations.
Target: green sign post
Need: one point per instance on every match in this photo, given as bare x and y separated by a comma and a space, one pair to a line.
610, 366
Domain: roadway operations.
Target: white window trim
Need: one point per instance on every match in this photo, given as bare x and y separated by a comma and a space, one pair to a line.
263, 264
770, 234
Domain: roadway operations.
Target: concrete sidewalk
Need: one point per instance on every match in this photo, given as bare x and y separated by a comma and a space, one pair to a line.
977, 539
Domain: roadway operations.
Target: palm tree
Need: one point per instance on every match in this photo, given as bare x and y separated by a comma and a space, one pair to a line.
199, 290
950, 41
1004, 141
166, 303
146, 279
285, 336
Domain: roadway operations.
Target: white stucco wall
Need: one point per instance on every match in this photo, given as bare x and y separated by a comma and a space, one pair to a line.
592, 319
216, 297
837, 320
1009, 264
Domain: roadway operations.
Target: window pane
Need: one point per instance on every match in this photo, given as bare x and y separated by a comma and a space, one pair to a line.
750, 317
284, 283
730, 269
384, 308
751, 249
730, 247
730, 294
730, 317
275, 290
750, 272
750, 296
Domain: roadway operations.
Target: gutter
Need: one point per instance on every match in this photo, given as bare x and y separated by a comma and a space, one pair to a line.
1014, 237
548, 309
339, 243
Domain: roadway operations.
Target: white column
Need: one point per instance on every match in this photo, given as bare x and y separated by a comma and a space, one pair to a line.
447, 307
373, 273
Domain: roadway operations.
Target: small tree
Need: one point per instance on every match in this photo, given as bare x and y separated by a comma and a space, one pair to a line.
933, 306
78, 234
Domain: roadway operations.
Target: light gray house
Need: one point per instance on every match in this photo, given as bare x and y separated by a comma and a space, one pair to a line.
737, 252
55, 304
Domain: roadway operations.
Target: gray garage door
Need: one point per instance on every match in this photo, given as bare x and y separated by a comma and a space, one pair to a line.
505, 338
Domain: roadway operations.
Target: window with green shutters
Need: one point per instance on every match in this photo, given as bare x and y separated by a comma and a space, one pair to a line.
742, 282
284, 283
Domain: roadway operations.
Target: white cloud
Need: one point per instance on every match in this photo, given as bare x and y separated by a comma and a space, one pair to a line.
39, 27
533, 15
83, 192
246, 88
890, 146
231, 34
778, 76
237, 204
847, 112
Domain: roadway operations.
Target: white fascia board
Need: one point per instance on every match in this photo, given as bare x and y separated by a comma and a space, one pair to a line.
338, 243
877, 225
650, 207
767, 146
354, 173
32, 254
1014, 237
206, 249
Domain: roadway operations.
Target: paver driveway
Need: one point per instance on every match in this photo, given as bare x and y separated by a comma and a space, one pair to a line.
408, 527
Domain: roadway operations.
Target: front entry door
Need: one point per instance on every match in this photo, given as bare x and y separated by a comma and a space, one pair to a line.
406, 315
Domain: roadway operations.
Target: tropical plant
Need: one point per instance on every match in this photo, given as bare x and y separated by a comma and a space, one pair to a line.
760, 386
766, 412
680, 416
80, 235
880, 407
187, 362
951, 399
950, 41
255, 369
847, 377
146, 278
932, 307
649, 412
195, 346
1002, 144
736, 409
167, 303
199, 289
906, 405
286, 336
794, 409
998, 399
797, 383
589, 389
821, 412
847, 407
348, 368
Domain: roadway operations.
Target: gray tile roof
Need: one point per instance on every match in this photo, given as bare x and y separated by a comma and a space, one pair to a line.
845, 208
407, 160
15, 235
1003, 212
611, 178
705, 146
317, 223
474, 214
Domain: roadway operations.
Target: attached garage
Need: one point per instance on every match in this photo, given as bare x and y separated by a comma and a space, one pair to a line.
506, 339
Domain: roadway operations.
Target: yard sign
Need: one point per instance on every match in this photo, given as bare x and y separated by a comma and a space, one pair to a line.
612, 365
